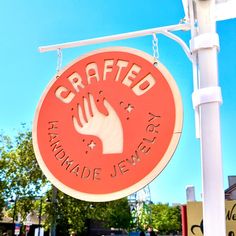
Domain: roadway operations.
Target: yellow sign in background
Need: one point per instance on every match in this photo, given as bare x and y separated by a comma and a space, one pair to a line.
195, 221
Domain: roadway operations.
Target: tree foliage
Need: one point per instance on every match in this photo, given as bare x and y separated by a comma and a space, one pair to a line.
19, 168
2, 203
75, 214
118, 214
166, 219
21, 177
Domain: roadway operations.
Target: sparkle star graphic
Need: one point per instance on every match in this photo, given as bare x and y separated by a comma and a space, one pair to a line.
129, 108
92, 145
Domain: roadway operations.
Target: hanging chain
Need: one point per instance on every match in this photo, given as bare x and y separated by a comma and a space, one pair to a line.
155, 49
59, 59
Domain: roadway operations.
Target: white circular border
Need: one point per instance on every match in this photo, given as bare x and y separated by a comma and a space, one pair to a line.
148, 178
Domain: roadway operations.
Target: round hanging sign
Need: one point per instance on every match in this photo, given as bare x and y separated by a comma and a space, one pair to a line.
107, 124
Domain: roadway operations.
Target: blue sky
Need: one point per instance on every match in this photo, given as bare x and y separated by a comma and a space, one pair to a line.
26, 25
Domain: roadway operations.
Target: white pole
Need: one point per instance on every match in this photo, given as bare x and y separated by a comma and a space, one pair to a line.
212, 175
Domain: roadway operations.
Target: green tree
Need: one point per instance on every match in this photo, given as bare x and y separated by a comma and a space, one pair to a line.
75, 215
4, 145
71, 212
2, 203
21, 177
20, 168
117, 214
166, 219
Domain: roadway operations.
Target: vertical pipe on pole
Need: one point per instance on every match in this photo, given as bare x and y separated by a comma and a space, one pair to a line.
192, 17
212, 174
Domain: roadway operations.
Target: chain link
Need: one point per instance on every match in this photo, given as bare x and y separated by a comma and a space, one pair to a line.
155, 49
59, 59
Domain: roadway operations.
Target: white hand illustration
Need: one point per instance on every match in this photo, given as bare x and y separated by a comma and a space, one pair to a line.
107, 128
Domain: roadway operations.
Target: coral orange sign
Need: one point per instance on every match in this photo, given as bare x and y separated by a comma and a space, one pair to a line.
108, 124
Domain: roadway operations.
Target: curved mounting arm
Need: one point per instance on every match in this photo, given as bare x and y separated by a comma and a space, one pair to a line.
180, 42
